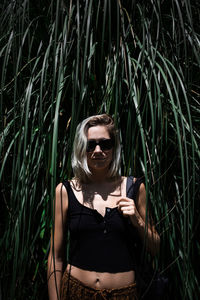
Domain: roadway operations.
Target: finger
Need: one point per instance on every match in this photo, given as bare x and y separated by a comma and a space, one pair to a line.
126, 204
122, 208
124, 200
129, 209
126, 213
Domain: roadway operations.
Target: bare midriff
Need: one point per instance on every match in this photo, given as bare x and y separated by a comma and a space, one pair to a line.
102, 280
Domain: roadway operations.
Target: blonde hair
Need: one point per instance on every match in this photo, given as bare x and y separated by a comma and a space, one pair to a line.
79, 154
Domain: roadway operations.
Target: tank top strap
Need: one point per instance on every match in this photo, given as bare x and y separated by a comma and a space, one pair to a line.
67, 185
132, 187
73, 202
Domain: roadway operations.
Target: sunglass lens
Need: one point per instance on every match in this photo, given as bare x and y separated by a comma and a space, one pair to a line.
91, 145
106, 144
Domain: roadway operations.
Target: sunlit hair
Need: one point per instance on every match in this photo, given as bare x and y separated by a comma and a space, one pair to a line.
79, 155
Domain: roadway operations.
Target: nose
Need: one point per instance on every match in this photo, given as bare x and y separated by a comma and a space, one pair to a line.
97, 149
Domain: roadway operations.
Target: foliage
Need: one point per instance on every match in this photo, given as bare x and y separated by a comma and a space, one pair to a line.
65, 60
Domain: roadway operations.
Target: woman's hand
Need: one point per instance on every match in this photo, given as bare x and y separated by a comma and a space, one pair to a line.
128, 208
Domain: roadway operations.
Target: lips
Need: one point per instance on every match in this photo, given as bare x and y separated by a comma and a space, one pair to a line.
98, 158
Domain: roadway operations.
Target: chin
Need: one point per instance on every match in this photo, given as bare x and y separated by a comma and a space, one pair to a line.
99, 166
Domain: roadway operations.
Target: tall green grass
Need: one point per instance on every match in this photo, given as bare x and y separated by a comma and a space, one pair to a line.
63, 61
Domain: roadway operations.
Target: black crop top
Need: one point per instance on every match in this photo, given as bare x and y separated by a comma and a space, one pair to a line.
97, 243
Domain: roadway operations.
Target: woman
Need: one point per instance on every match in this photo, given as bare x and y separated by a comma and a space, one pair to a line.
95, 208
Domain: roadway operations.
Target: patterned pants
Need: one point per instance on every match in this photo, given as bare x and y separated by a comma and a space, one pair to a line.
73, 289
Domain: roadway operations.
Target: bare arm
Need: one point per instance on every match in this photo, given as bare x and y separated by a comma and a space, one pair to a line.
57, 251
153, 238
137, 214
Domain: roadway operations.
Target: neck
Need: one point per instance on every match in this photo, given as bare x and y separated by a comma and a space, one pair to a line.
99, 176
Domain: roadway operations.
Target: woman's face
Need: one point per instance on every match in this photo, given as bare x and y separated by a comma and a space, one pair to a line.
100, 149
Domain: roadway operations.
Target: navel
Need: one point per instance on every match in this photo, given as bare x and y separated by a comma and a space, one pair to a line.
97, 283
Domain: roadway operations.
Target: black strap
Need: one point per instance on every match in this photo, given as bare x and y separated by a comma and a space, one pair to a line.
132, 188
129, 185
67, 185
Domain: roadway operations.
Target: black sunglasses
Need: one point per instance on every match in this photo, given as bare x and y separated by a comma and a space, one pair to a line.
105, 144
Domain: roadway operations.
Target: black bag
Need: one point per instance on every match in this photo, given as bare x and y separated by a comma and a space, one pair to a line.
150, 283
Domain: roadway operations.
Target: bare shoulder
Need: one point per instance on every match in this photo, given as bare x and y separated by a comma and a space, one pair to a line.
142, 193
141, 201
61, 196
142, 188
